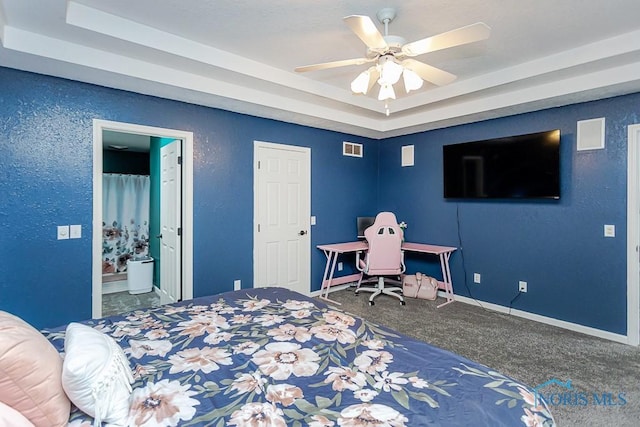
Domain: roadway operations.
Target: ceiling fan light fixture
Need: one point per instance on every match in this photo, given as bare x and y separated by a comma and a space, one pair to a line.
386, 92
412, 81
387, 53
361, 83
390, 70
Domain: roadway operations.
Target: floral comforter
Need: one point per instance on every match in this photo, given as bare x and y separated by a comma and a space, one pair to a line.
272, 357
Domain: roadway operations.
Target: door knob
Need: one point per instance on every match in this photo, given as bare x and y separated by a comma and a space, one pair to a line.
302, 232
159, 236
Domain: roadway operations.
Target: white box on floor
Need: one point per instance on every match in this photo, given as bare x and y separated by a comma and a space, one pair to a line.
140, 275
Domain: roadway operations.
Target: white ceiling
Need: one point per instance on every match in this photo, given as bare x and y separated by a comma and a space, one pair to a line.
239, 55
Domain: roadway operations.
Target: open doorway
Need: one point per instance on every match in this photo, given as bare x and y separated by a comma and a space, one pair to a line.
145, 142
130, 217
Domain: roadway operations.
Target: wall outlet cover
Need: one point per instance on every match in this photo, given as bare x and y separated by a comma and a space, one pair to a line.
609, 230
75, 231
63, 232
476, 278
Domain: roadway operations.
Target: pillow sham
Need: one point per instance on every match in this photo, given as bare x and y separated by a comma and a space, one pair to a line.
96, 374
31, 374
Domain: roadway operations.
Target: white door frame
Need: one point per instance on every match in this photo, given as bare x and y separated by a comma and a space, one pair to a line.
633, 235
276, 146
187, 204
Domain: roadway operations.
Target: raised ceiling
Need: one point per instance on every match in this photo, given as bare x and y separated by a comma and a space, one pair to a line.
239, 55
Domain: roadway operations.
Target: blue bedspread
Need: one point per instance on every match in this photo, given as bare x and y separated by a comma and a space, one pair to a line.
272, 357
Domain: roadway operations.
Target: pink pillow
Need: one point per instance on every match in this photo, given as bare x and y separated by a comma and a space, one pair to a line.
11, 417
31, 374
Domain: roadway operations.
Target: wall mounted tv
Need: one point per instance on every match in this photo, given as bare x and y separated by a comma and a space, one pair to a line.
515, 167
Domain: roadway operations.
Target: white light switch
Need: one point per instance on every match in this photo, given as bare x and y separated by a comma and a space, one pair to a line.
75, 231
63, 232
313, 220
609, 230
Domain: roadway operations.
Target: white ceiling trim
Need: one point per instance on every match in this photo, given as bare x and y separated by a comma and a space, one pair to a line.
517, 70
114, 26
494, 105
604, 49
130, 31
3, 23
36, 44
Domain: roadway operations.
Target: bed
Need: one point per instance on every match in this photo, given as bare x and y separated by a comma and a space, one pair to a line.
273, 357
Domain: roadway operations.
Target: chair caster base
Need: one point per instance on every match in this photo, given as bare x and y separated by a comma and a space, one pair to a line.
403, 303
372, 303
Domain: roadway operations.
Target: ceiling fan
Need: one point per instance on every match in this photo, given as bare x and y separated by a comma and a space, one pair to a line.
392, 55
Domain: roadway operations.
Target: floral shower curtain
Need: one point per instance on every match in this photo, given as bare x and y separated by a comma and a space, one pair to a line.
125, 220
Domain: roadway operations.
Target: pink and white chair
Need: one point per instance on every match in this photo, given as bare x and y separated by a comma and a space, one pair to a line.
384, 260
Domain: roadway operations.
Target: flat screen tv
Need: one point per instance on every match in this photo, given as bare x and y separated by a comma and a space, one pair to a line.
515, 167
364, 222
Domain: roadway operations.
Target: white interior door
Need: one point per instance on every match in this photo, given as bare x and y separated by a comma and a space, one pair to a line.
170, 222
282, 210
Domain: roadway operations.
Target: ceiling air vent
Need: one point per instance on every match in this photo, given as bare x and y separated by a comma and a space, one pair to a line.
351, 149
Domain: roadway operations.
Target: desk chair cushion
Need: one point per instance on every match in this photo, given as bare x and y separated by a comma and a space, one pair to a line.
384, 256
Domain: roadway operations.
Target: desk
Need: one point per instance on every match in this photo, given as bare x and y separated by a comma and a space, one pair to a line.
334, 250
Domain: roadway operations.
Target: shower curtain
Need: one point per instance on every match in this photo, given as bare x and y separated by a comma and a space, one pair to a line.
125, 220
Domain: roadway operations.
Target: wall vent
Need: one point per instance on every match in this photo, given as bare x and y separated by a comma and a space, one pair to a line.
351, 149
590, 134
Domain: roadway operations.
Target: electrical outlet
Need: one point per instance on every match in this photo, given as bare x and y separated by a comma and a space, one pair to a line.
237, 285
476, 277
522, 286
340, 266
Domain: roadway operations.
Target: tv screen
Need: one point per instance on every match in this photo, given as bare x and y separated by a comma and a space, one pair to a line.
522, 166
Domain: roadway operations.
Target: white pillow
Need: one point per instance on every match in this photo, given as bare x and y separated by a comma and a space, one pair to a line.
96, 374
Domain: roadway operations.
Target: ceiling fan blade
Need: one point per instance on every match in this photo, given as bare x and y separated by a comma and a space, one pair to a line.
334, 64
428, 73
364, 28
469, 34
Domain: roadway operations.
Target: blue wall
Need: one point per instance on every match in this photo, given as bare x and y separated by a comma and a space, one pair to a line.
574, 273
46, 141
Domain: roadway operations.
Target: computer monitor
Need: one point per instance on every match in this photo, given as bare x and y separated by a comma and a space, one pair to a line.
364, 222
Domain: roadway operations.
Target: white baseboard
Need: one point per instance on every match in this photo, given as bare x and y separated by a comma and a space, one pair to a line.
544, 319
113, 287
333, 289
524, 314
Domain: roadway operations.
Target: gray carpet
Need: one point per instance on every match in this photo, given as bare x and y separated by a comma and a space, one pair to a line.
528, 351
123, 302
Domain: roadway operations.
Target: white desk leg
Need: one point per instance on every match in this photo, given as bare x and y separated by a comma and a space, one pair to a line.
446, 276
332, 257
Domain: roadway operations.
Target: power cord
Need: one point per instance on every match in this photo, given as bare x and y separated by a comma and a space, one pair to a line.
464, 268
514, 300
